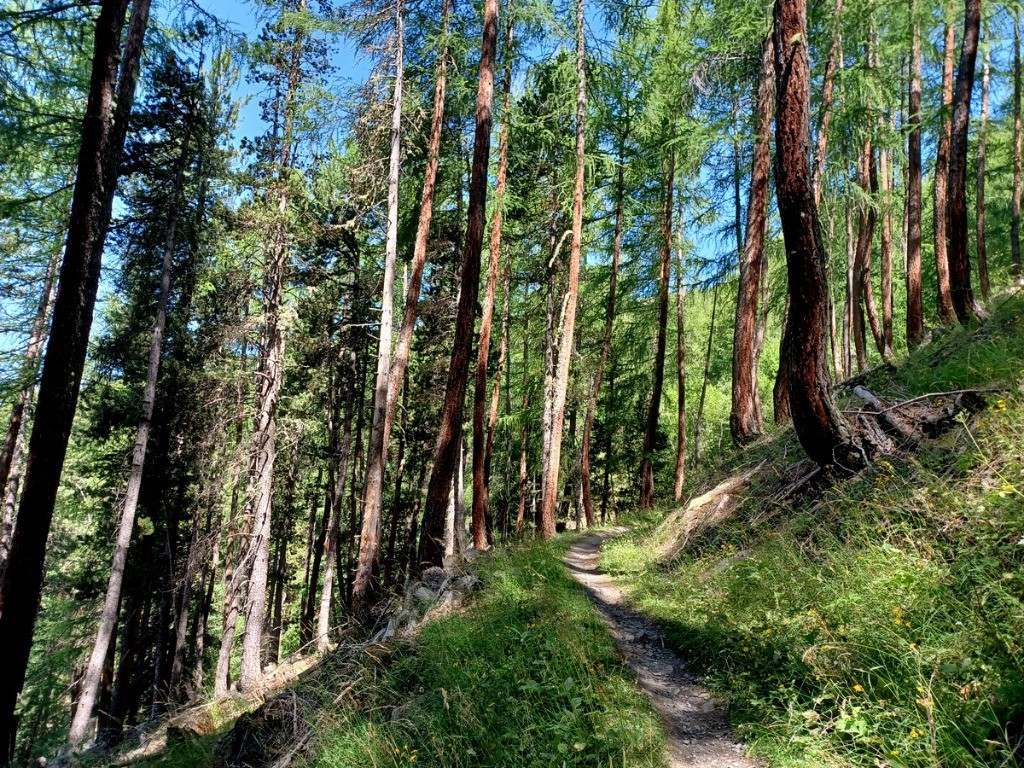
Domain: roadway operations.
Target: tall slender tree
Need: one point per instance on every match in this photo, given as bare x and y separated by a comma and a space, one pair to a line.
958, 251
946, 312
104, 127
446, 450
551, 486
915, 304
745, 417
369, 539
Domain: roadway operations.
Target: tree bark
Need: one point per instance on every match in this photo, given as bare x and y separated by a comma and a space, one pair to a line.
915, 304
958, 251
654, 407
364, 585
449, 430
821, 428
744, 419
947, 314
979, 188
481, 492
102, 140
551, 486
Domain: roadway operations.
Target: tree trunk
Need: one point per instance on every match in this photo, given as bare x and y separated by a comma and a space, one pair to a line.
1017, 142
606, 346
449, 430
654, 407
744, 420
337, 500
102, 139
481, 492
521, 514
958, 252
699, 429
886, 189
80, 725
915, 308
835, 61
681, 371
947, 314
364, 586
821, 428
569, 322
979, 193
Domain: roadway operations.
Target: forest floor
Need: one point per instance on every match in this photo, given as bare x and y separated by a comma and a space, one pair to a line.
876, 622
697, 732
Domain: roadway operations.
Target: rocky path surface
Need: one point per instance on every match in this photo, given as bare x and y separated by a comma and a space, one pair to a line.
696, 729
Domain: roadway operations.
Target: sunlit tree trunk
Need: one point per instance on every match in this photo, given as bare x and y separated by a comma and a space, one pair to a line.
681, 371
551, 486
446, 452
744, 419
1018, 140
481, 492
364, 587
946, 312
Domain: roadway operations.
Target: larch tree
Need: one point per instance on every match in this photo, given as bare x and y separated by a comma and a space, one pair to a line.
104, 128
745, 422
821, 427
90, 686
446, 449
958, 251
369, 540
980, 236
551, 486
1018, 141
944, 299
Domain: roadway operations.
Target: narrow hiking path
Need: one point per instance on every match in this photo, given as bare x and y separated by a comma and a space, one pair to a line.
697, 732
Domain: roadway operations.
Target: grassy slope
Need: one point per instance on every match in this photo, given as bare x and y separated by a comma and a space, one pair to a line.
525, 676
882, 623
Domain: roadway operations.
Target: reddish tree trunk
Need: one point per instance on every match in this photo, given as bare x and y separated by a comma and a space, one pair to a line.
446, 451
946, 312
915, 308
821, 428
744, 419
681, 371
481, 492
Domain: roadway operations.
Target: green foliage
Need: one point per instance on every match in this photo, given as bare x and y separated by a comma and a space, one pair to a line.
526, 676
881, 622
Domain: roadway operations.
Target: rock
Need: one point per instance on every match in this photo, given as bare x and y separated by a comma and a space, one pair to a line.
434, 577
424, 596
468, 583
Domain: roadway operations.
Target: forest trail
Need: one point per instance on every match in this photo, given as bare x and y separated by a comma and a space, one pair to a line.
697, 732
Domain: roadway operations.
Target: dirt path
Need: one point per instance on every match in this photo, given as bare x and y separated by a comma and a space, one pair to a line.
696, 730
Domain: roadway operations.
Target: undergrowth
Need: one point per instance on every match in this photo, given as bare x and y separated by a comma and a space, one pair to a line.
882, 623
528, 676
